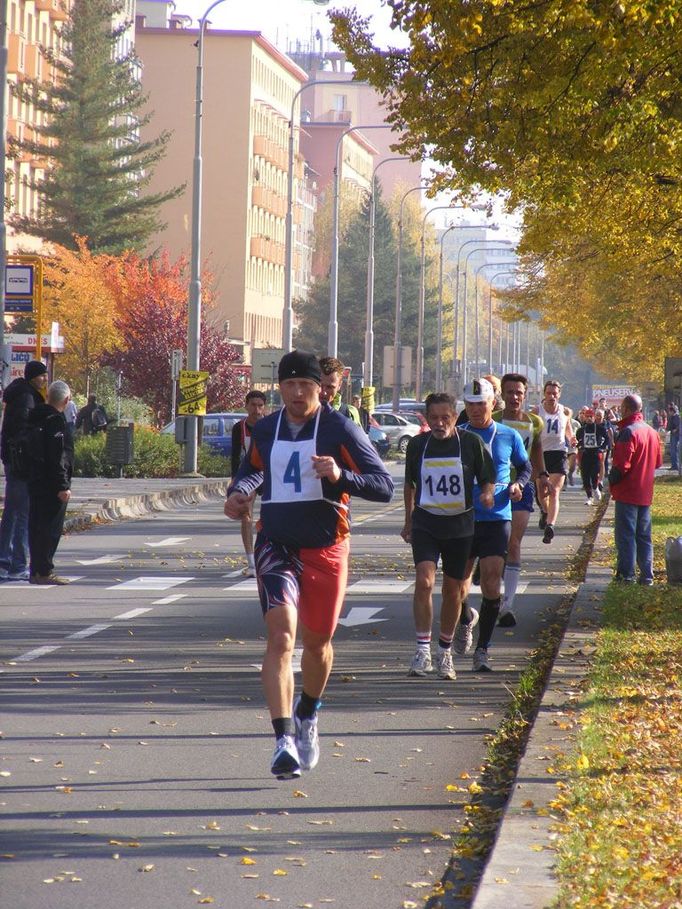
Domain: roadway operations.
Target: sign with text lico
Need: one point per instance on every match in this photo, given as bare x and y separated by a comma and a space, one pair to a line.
192, 399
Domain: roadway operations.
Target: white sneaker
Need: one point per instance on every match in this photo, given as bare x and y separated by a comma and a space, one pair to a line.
249, 571
18, 575
464, 634
421, 664
481, 663
285, 764
4, 574
307, 740
597, 494
589, 501
444, 665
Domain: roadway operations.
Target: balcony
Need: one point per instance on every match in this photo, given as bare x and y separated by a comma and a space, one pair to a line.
53, 7
339, 116
16, 53
261, 146
33, 62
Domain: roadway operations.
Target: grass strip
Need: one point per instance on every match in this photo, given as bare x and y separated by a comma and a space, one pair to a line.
489, 795
620, 842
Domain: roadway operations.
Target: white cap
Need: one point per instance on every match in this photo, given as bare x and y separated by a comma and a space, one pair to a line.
478, 390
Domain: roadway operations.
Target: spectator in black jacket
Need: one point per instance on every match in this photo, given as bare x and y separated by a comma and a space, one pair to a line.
20, 397
92, 417
49, 484
241, 442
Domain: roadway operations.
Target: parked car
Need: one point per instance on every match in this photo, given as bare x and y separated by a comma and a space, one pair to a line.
379, 440
397, 428
411, 404
417, 418
217, 431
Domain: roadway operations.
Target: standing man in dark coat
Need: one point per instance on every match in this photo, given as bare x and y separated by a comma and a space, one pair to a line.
20, 397
49, 483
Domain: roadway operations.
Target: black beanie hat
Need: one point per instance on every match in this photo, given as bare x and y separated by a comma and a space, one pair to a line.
299, 364
34, 368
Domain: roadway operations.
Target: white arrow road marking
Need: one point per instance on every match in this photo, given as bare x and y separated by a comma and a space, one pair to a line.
34, 654
295, 660
151, 583
86, 632
102, 560
361, 615
170, 541
380, 586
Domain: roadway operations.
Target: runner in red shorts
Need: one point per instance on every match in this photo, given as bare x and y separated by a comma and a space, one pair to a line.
310, 460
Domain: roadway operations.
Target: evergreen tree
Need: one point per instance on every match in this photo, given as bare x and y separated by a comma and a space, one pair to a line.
98, 166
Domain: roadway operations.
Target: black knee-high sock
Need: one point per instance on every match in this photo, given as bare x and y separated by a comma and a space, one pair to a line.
490, 609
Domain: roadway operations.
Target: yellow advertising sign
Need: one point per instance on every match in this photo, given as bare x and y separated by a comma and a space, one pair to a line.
192, 399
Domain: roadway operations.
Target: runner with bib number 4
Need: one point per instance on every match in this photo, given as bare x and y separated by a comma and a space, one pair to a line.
310, 460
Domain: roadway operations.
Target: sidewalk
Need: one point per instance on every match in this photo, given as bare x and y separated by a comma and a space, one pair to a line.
100, 499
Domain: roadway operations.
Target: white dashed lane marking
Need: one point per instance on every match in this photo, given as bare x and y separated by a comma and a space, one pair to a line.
151, 583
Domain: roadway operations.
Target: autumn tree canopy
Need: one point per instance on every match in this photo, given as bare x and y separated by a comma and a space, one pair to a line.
573, 110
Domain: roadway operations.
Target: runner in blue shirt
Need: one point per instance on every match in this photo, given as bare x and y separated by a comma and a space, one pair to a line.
491, 525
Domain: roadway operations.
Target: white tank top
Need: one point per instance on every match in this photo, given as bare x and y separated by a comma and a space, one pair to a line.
553, 435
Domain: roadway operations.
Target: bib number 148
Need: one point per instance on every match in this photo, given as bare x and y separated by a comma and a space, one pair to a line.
445, 485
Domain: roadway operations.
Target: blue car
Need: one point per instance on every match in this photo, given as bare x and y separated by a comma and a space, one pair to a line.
217, 431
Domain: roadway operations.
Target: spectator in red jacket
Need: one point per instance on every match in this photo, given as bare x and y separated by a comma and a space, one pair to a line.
636, 455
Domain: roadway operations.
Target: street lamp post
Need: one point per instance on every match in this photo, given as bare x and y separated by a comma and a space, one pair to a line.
422, 303
399, 302
288, 316
333, 333
194, 314
439, 340
476, 313
501, 244
490, 317
368, 372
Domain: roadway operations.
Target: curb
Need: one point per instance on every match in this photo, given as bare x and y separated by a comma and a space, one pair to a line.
523, 854
135, 506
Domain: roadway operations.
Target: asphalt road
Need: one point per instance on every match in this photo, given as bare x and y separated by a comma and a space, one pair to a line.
136, 744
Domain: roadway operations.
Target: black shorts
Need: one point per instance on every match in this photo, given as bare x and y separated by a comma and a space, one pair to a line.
454, 552
491, 538
555, 462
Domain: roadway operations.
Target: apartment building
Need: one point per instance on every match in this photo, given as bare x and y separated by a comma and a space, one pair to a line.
339, 99
248, 91
30, 25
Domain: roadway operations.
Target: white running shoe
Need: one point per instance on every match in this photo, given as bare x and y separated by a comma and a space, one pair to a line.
589, 500
421, 664
444, 665
249, 571
597, 494
464, 634
285, 763
481, 663
307, 740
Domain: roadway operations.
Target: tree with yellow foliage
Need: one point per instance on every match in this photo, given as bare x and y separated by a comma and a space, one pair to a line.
78, 295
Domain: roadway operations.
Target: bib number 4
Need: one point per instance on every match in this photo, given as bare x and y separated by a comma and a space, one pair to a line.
292, 472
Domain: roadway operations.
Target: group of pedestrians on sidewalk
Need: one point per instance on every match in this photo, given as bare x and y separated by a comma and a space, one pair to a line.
36, 446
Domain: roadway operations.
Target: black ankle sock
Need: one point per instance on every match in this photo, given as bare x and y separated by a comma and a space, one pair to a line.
444, 645
307, 706
490, 610
467, 616
283, 725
